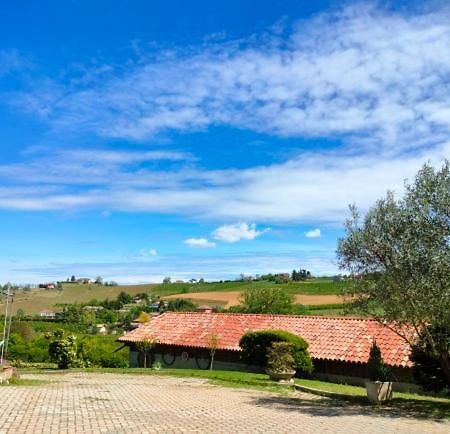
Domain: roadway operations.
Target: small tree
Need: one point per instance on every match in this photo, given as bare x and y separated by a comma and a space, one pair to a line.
143, 317
98, 280
212, 342
124, 298
167, 280
266, 300
72, 279
63, 350
144, 347
20, 314
377, 370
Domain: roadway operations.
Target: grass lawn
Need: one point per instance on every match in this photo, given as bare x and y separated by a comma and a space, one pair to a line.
23, 382
224, 378
420, 404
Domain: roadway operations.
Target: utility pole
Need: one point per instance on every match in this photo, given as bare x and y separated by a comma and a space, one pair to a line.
6, 326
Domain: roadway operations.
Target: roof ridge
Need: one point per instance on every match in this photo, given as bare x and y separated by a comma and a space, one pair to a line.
281, 315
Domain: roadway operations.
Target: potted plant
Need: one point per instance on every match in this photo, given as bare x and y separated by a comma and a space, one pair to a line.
379, 388
280, 362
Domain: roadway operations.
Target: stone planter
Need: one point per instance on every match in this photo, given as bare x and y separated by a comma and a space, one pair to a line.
379, 391
7, 373
285, 377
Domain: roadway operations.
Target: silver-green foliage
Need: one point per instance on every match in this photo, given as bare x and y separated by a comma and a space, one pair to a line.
399, 256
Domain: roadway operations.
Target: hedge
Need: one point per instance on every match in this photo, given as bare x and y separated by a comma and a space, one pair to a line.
255, 347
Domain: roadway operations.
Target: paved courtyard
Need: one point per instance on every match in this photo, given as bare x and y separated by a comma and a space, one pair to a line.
113, 403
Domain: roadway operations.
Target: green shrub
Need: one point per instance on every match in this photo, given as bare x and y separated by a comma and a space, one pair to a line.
181, 305
377, 370
279, 357
23, 329
255, 347
427, 369
101, 351
64, 351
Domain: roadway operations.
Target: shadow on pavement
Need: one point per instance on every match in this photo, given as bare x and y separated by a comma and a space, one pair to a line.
327, 407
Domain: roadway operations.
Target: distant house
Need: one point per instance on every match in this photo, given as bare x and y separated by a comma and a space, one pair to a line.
93, 308
84, 280
47, 314
49, 285
206, 308
339, 346
101, 329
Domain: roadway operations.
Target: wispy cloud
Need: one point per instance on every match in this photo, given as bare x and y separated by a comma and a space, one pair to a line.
362, 73
179, 267
199, 242
376, 79
313, 233
148, 253
314, 187
12, 61
123, 157
236, 232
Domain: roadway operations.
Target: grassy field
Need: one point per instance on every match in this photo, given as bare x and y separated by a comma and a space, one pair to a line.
313, 286
37, 300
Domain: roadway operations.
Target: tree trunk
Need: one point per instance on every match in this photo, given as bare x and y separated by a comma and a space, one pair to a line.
212, 361
444, 361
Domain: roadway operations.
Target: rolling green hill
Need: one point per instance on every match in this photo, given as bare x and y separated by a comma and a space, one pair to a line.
39, 299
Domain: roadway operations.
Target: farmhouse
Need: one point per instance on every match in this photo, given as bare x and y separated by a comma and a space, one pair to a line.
48, 314
339, 346
49, 285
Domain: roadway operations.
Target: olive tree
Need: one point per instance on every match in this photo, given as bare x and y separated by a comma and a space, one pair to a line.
399, 257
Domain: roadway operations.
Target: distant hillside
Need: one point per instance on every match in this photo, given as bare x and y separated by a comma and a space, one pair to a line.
37, 300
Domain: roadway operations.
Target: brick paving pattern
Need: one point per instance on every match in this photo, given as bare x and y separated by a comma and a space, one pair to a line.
113, 403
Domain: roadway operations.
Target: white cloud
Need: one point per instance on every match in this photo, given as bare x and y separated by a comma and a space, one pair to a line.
236, 232
313, 233
312, 187
122, 157
360, 73
146, 253
376, 79
178, 267
199, 242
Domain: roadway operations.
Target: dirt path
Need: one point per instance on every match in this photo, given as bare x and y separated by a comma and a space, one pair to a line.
231, 298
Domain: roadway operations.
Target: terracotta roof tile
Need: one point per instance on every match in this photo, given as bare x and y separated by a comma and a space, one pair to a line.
329, 338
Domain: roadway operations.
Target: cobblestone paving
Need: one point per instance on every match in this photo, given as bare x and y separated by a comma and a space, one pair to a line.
113, 403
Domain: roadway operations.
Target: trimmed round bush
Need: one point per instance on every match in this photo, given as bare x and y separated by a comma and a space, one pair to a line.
255, 347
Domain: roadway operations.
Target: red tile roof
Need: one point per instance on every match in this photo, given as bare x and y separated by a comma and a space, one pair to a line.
329, 338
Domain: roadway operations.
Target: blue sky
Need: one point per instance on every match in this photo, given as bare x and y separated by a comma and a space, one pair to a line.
207, 139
